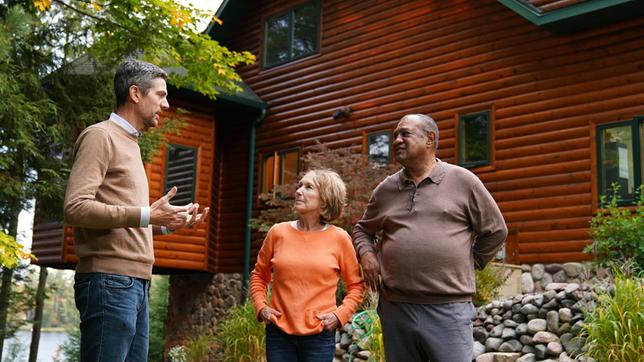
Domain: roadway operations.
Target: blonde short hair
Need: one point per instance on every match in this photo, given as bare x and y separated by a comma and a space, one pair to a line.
333, 193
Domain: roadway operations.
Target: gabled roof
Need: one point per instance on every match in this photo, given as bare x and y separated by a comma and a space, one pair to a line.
566, 16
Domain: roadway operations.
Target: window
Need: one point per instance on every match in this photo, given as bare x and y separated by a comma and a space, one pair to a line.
620, 153
378, 147
279, 168
180, 171
292, 35
474, 139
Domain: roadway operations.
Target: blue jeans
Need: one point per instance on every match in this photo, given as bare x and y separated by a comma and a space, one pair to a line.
282, 347
114, 317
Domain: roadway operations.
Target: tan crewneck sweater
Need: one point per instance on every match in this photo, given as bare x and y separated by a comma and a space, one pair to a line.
106, 189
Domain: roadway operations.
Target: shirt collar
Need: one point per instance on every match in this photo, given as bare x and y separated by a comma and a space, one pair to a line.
436, 175
124, 124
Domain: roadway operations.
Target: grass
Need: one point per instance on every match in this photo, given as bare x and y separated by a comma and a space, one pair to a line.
241, 336
615, 328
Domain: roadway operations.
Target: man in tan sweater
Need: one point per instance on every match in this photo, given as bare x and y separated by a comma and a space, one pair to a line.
107, 203
437, 224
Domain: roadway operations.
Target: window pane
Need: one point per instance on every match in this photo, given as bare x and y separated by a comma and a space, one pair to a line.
378, 148
474, 145
289, 167
305, 29
616, 154
180, 172
277, 39
267, 175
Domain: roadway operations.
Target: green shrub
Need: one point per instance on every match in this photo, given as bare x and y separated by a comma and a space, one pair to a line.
158, 312
488, 282
241, 336
615, 328
70, 349
616, 232
201, 346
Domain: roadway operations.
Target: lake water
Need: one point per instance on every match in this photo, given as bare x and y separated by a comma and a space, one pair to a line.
47, 348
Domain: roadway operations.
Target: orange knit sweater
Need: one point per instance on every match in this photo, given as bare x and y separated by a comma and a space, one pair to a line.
306, 268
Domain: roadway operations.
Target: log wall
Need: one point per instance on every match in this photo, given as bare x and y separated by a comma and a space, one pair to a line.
546, 92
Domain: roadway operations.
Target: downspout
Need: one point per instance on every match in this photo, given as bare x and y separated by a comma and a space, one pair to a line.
249, 201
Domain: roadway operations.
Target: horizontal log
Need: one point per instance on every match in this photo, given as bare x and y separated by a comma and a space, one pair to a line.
543, 159
548, 214
561, 257
543, 148
545, 203
179, 255
560, 235
536, 171
563, 187
543, 137
553, 246
179, 264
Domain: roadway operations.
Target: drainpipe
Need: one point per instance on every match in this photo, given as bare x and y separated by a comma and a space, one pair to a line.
249, 201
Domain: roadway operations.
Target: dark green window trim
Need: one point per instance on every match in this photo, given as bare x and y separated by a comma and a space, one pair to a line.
638, 143
281, 155
370, 138
188, 165
542, 18
462, 119
290, 14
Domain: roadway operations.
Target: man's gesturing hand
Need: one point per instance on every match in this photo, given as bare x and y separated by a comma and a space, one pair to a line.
371, 270
164, 214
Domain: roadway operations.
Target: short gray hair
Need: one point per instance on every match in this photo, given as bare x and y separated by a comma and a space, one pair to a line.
428, 125
135, 72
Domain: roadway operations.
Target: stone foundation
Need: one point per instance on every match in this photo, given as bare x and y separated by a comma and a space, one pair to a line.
197, 303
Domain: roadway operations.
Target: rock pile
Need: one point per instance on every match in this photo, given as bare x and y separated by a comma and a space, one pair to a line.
533, 327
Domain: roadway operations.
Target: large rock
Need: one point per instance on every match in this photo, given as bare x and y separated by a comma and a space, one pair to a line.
498, 357
554, 348
565, 315
530, 357
478, 349
572, 344
511, 346
536, 325
537, 271
527, 284
492, 344
552, 321
540, 351
529, 309
573, 269
545, 337
559, 277
508, 333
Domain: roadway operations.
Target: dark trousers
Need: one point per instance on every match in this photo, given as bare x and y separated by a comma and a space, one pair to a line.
114, 317
427, 332
283, 347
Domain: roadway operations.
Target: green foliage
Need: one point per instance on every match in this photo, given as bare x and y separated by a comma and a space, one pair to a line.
59, 310
614, 330
16, 352
153, 138
71, 347
11, 251
616, 232
488, 282
158, 314
241, 336
21, 298
359, 175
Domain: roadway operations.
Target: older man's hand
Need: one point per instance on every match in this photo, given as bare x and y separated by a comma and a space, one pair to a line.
371, 270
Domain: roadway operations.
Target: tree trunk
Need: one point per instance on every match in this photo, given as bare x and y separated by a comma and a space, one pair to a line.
40, 301
7, 277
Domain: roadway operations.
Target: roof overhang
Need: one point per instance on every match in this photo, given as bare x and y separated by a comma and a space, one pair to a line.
575, 15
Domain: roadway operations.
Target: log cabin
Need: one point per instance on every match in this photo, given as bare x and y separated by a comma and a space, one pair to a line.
542, 99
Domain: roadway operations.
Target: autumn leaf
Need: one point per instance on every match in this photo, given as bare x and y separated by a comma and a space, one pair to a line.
42, 5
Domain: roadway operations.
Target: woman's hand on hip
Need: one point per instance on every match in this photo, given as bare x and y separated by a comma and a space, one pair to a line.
269, 315
330, 320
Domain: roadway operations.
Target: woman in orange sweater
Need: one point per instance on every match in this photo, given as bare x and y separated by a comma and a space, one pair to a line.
306, 259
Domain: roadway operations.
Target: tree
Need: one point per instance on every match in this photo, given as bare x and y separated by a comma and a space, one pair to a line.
359, 174
56, 59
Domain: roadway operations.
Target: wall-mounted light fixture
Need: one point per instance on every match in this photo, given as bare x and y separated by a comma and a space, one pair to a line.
342, 113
